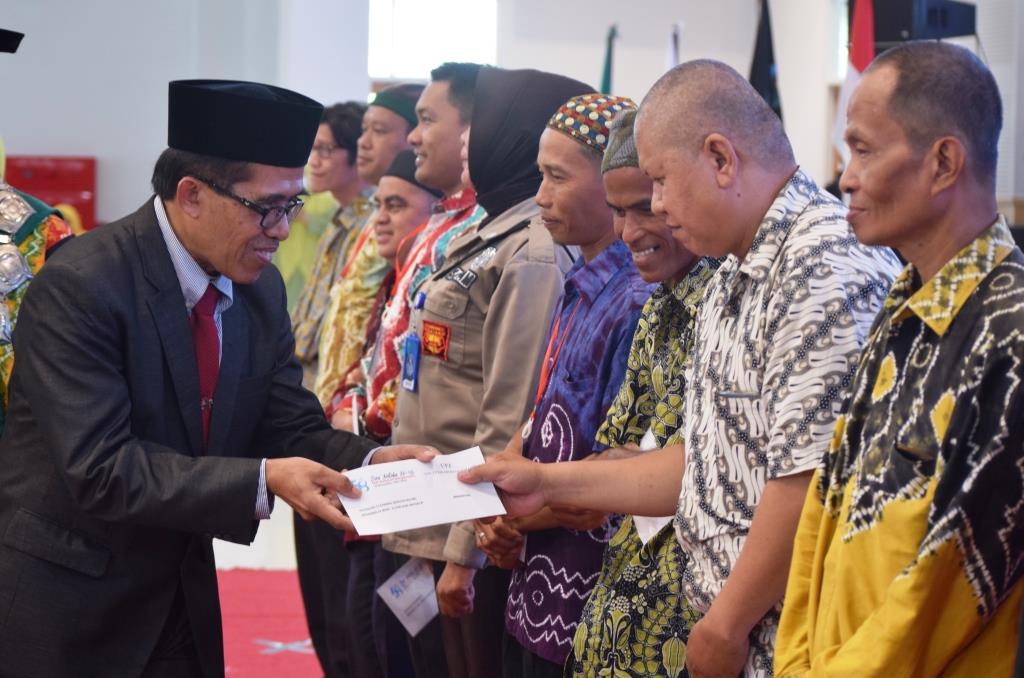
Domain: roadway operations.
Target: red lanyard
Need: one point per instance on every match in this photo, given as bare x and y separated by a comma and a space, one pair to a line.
409, 238
548, 366
355, 250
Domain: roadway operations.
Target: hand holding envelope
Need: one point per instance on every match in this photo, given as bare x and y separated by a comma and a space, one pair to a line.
408, 494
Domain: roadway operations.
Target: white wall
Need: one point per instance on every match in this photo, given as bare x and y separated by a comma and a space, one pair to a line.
93, 76
570, 38
1000, 25
323, 48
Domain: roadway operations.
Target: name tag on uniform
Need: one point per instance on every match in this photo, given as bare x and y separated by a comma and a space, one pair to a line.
462, 277
436, 338
410, 362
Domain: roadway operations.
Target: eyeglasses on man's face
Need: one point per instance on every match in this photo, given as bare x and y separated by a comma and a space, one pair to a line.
270, 215
323, 151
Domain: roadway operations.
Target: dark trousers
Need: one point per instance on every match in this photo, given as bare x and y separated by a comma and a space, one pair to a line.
175, 653
387, 634
521, 663
473, 644
359, 611
426, 650
377, 638
323, 578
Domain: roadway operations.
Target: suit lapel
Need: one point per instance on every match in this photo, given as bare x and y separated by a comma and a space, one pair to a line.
167, 304
234, 328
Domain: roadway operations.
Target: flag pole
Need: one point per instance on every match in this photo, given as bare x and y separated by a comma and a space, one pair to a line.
606, 74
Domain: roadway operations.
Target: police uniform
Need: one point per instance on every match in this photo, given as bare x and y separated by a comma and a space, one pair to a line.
481, 321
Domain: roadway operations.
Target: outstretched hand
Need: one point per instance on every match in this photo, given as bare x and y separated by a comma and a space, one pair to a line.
311, 489
520, 482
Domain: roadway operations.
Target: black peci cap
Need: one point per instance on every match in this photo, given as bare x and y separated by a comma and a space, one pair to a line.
9, 40
244, 121
404, 167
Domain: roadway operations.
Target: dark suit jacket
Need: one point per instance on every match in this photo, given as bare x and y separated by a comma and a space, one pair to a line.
106, 500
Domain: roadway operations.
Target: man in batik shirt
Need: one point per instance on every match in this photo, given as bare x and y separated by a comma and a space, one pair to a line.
777, 338
331, 169
637, 620
385, 125
910, 549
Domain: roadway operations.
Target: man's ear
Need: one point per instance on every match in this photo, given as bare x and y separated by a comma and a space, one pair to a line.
187, 196
946, 161
719, 152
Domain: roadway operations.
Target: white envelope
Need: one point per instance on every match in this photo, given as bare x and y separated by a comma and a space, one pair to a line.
410, 595
404, 495
647, 527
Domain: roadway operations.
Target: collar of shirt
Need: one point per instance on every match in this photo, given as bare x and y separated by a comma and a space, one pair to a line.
690, 290
192, 278
356, 211
464, 199
939, 300
589, 278
770, 236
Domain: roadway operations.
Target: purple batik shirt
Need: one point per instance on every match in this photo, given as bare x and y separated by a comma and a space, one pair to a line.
548, 592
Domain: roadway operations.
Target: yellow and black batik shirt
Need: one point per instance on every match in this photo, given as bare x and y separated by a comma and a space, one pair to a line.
910, 548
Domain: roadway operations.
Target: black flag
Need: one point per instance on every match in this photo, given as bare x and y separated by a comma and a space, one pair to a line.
763, 72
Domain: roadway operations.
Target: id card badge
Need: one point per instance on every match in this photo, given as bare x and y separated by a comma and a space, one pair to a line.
410, 362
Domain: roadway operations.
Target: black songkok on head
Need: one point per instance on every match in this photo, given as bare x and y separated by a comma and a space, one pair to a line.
511, 109
404, 167
243, 121
401, 100
9, 40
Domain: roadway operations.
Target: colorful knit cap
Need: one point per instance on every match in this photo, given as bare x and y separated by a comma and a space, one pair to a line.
621, 150
586, 118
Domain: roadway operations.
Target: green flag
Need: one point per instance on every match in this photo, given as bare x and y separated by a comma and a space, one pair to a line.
606, 75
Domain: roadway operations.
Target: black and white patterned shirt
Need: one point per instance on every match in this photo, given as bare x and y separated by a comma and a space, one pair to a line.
777, 341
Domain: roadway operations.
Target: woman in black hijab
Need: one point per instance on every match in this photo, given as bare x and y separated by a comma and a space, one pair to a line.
510, 111
484, 320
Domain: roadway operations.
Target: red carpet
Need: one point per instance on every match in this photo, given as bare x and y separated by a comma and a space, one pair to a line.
265, 633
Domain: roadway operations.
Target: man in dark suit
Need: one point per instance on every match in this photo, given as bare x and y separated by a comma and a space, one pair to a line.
156, 403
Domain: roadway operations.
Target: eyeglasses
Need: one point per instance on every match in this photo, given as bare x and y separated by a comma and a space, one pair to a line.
323, 151
269, 216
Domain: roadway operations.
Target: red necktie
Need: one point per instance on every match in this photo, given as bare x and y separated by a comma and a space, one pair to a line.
207, 346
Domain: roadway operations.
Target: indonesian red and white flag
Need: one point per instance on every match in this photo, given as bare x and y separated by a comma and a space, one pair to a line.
862, 51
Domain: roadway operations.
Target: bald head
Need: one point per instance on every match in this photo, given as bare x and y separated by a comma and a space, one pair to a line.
702, 97
945, 90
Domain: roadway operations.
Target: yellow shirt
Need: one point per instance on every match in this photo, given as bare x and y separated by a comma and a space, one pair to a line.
909, 553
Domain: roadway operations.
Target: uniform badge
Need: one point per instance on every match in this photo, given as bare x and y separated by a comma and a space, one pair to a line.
461, 277
482, 258
436, 338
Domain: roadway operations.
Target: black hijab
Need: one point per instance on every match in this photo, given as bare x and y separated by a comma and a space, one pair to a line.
510, 111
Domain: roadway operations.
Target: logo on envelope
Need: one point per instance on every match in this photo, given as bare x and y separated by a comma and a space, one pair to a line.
436, 338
